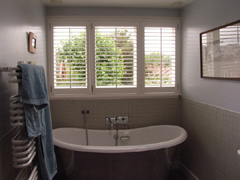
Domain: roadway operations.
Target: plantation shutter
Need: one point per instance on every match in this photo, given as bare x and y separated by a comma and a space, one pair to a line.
98, 58
230, 35
115, 57
159, 55
219, 45
228, 49
69, 57
207, 52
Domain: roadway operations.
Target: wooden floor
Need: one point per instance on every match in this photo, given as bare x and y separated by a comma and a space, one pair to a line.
174, 175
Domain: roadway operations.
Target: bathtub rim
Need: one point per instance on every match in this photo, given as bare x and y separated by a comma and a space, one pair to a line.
123, 149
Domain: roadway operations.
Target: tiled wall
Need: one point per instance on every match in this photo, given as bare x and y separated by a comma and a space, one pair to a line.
210, 151
145, 112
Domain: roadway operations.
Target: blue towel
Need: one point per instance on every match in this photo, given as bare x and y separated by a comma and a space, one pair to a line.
34, 96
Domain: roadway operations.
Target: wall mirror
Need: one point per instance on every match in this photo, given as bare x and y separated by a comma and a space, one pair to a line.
220, 52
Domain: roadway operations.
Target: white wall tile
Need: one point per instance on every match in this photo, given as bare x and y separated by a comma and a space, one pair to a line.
210, 151
140, 112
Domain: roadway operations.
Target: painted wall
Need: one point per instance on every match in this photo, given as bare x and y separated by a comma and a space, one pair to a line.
17, 18
210, 108
200, 16
85, 11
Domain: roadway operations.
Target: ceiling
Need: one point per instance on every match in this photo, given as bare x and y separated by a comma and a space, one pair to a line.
120, 3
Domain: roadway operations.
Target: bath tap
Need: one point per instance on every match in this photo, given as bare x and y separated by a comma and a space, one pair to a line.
111, 126
116, 136
84, 112
110, 120
116, 121
119, 120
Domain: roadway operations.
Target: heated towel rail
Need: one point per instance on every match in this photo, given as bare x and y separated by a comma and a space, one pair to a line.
23, 148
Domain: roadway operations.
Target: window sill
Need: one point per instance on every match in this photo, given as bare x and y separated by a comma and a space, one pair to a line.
115, 96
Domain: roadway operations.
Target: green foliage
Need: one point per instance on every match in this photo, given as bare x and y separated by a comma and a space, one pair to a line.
71, 57
114, 62
155, 65
107, 56
114, 59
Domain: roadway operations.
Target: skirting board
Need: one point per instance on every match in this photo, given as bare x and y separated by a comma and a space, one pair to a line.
187, 172
180, 166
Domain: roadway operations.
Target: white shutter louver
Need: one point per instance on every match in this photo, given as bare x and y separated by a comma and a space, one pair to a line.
219, 48
70, 57
160, 54
104, 58
207, 53
115, 57
230, 35
229, 51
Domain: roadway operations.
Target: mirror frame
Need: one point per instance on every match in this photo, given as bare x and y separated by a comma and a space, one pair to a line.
32, 37
202, 56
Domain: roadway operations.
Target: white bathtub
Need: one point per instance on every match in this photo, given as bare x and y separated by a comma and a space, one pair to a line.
102, 141
145, 152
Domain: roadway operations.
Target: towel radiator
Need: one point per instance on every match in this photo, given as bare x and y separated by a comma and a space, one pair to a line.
23, 148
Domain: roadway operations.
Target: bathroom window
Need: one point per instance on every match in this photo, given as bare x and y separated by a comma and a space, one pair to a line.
159, 56
115, 57
69, 58
105, 57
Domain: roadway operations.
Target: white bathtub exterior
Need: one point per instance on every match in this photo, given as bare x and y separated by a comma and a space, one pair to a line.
102, 141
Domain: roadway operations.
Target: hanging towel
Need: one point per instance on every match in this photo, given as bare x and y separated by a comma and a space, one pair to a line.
34, 96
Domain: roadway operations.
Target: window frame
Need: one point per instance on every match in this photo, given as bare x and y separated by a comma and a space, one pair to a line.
102, 89
66, 91
177, 56
91, 91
